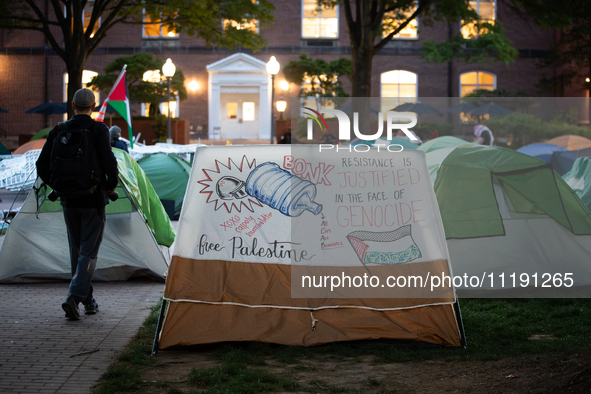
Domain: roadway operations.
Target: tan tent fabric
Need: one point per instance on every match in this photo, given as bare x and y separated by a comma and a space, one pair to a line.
244, 244
270, 284
571, 142
191, 323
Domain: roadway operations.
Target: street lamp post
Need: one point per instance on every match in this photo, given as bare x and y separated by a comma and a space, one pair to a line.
168, 70
273, 69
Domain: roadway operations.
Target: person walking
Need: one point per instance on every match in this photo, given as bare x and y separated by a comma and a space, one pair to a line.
483, 135
116, 142
84, 215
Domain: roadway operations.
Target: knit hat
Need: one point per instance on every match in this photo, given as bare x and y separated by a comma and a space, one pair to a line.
115, 132
84, 98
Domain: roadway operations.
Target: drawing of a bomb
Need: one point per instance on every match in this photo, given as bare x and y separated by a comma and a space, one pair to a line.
385, 248
289, 194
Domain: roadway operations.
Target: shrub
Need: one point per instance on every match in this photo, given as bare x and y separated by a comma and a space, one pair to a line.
522, 129
160, 128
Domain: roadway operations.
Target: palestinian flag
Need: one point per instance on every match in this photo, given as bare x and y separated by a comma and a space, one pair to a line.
120, 102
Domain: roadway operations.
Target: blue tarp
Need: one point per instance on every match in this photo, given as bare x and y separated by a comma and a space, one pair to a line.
541, 150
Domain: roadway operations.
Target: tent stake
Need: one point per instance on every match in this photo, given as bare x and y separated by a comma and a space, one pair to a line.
460, 322
159, 327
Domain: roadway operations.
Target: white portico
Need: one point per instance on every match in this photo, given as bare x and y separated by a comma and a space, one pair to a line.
239, 98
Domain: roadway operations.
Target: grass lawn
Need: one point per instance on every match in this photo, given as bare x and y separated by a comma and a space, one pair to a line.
495, 329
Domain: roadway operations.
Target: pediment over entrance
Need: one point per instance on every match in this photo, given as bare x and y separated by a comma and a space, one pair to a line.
237, 63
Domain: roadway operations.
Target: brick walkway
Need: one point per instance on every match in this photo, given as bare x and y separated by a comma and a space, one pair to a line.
42, 352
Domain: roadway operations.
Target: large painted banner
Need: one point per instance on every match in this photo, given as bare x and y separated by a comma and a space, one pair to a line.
271, 235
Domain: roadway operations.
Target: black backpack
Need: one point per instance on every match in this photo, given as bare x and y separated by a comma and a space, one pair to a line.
74, 167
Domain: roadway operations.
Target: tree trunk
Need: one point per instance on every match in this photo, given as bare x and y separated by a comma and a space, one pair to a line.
75, 67
362, 57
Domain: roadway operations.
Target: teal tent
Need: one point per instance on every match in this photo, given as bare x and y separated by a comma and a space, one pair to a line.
3, 149
441, 142
169, 175
579, 179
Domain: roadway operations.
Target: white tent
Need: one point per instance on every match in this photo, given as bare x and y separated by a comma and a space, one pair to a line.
35, 247
258, 220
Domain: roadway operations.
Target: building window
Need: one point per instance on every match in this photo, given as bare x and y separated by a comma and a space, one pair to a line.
252, 25
248, 111
394, 19
87, 75
154, 76
398, 87
486, 10
313, 94
472, 81
162, 108
154, 27
87, 17
319, 21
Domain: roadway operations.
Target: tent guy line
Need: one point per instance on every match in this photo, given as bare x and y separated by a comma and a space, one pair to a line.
304, 308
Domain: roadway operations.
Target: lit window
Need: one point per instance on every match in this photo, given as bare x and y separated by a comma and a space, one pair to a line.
231, 110
472, 81
320, 22
173, 105
87, 75
252, 25
314, 103
486, 12
313, 90
154, 27
87, 15
398, 87
393, 20
248, 113
314, 87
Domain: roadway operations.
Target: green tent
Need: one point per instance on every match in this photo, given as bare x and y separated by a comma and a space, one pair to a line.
36, 246
441, 142
43, 133
579, 179
504, 212
169, 174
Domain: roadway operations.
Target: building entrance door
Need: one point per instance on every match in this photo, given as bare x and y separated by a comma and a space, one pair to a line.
239, 115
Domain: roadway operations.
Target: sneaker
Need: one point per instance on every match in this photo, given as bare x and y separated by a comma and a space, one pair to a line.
92, 308
71, 308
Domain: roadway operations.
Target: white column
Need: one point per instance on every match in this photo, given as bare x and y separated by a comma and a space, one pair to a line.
265, 110
214, 108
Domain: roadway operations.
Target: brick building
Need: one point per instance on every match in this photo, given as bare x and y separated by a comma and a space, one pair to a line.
229, 91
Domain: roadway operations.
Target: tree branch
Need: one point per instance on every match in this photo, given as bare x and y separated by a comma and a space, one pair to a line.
45, 28
350, 21
388, 38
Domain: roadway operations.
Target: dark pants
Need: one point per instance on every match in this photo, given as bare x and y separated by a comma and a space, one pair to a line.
85, 234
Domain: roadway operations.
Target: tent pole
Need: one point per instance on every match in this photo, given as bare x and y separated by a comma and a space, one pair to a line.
159, 326
460, 322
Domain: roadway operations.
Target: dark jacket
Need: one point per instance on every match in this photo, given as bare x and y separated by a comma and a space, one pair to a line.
119, 144
107, 161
